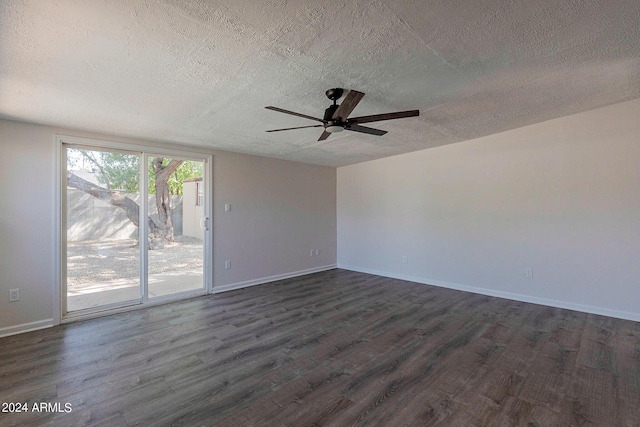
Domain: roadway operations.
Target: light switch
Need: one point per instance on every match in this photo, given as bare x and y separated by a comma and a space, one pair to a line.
227, 207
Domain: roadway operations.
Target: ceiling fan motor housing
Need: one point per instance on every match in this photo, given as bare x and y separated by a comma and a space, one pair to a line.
328, 113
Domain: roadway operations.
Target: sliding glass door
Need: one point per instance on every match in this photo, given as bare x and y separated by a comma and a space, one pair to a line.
135, 227
176, 206
102, 236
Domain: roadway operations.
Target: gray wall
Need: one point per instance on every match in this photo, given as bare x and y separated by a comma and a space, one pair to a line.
561, 197
280, 210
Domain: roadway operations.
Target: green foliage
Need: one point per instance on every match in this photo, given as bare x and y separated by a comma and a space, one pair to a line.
115, 170
188, 169
121, 171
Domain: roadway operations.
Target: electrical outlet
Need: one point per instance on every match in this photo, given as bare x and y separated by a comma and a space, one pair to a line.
14, 295
227, 207
528, 272
317, 252
227, 264
405, 259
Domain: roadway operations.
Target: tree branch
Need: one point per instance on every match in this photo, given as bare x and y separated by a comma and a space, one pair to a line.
95, 162
114, 198
162, 173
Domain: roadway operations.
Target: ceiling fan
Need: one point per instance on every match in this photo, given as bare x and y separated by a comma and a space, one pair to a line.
336, 116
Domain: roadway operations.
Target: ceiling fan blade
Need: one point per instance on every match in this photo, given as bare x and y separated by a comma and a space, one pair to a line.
364, 129
280, 110
347, 106
299, 127
387, 116
324, 136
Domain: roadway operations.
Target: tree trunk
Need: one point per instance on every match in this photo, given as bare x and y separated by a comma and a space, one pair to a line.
163, 199
130, 207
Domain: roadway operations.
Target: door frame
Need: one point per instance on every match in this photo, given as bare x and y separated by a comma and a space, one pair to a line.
59, 218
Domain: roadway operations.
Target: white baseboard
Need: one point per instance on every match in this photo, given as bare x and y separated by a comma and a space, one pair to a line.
26, 327
500, 294
262, 280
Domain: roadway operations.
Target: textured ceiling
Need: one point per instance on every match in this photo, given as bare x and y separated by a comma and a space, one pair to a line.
201, 72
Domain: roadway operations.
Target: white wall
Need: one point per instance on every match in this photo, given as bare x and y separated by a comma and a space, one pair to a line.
561, 197
280, 210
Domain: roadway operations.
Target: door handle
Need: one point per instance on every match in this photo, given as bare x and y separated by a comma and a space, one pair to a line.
204, 223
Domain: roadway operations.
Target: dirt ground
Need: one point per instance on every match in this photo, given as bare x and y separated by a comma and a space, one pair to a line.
92, 260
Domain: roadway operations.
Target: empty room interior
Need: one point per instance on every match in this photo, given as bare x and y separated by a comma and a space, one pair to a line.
330, 213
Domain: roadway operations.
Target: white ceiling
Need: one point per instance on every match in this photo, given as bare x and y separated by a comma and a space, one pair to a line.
201, 72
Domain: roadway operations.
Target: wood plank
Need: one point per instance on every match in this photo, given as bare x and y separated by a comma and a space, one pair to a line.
336, 348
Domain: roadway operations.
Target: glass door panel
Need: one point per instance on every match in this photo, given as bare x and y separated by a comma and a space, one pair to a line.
176, 208
102, 248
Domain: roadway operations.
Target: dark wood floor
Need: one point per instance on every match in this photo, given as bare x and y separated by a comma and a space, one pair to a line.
336, 348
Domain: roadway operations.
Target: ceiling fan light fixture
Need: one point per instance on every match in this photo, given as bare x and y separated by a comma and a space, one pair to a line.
331, 128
